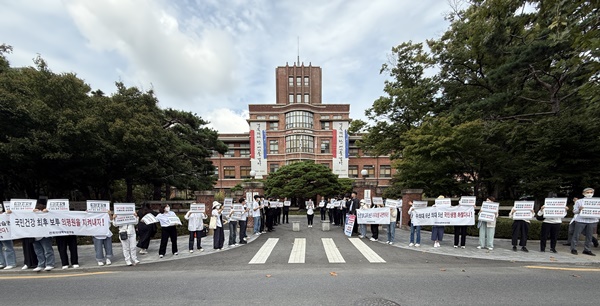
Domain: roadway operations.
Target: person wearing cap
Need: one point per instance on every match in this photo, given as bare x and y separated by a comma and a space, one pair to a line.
584, 225
168, 230
219, 234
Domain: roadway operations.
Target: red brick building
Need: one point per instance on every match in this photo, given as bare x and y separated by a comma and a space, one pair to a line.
299, 127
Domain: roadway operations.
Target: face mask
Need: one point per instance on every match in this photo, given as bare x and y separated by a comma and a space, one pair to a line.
167, 209
588, 195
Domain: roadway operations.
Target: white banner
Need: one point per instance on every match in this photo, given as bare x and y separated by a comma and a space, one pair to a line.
258, 148
590, 213
58, 205
491, 207
56, 223
124, 208
22, 204
522, 215
4, 229
467, 201
453, 215
198, 208
97, 206
487, 216
125, 219
373, 216
552, 212
340, 149
555, 202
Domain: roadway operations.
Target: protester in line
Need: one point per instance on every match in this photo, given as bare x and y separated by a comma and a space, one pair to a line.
243, 220
277, 214
362, 228
550, 226
103, 246
322, 209
375, 227
8, 259
520, 229
270, 212
352, 205
218, 236
310, 213
256, 207
70, 242
127, 237
43, 246
414, 229
264, 206
29, 257
330, 211
195, 228
391, 230
584, 225
437, 232
460, 233
286, 212
168, 231
232, 223
145, 231
487, 229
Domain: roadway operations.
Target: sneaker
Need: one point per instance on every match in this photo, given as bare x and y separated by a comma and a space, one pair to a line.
8, 267
100, 263
417, 245
143, 251
491, 249
108, 262
38, 269
456, 246
463, 247
191, 251
388, 242
127, 262
135, 262
75, 266
201, 249
391, 243
48, 268
411, 244
372, 239
574, 252
553, 251
65, 267
160, 256
236, 244
524, 249
589, 253
361, 236
176, 253
25, 267
479, 247
375, 240
514, 248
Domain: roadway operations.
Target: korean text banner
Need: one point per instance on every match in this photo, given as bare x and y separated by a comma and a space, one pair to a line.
373, 216
453, 215
58, 223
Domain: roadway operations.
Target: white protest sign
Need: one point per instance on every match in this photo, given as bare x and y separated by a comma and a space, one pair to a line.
337, 203
58, 223
590, 212
237, 211
198, 208
124, 220
350, 219
149, 219
491, 207
373, 216
368, 202
419, 204
287, 203
367, 194
552, 212
322, 204
524, 205
393, 203
4, 228
279, 204
487, 216
228, 201
378, 201
452, 215
22, 204
555, 203
58, 205
467, 201
522, 215
174, 220
329, 206
447, 202
97, 206
591, 202
124, 208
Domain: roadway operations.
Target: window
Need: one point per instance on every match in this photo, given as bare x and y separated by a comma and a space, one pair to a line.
305, 81
273, 117
298, 98
217, 171
291, 81
245, 172
385, 171
325, 125
273, 168
306, 98
245, 153
273, 126
353, 152
298, 81
352, 171
291, 98
337, 117
229, 172
261, 117
325, 146
370, 170
273, 147
230, 152
325, 117
299, 143
299, 119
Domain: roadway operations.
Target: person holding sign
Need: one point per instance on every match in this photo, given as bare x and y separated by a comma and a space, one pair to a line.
127, 237
146, 231
362, 228
375, 227
310, 213
550, 226
232, 223
243, 220
487, 228
414, 229
43, 247
520, 229
286, 212
437, 231
585, 224
256, 214
8, 259
168, 231
195, 227
219, 234
391, 230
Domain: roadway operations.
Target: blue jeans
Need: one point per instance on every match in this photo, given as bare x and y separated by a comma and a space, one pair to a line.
101, 245
44, 252
7, 257
362, 230
417, 230
256, 224
232, 232
391, 231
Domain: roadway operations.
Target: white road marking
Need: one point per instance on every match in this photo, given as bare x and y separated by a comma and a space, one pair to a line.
369, 254
333, 254
265, 251
298, 251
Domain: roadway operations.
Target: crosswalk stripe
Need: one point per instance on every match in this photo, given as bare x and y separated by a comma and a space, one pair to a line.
298, 251
369, 254
264, 252
333, 254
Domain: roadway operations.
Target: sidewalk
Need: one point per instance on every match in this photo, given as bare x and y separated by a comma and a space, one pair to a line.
502, 249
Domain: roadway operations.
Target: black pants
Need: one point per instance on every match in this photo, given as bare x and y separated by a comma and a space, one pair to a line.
145, 233
269, 221
322, 211
520, 228
166, 233
218, 238
286, 217
552, 230
330, 213
262, 222
194, 236
29, 257
374, 230
62, 242
460, 232
243, 225
310, 219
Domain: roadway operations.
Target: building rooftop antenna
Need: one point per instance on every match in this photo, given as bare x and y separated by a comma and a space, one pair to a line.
298, 50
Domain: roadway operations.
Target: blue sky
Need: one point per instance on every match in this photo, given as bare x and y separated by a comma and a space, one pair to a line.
212, 57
